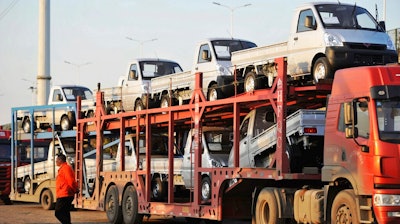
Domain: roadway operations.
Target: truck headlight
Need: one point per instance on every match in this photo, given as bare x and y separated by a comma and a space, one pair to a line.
390, 45
332, 40
386, 200
223, 71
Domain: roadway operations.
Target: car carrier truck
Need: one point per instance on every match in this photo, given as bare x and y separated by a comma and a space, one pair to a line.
324, 37
356, 182
5, 165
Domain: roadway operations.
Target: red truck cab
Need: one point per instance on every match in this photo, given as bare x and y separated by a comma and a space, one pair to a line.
362, 143
5, 165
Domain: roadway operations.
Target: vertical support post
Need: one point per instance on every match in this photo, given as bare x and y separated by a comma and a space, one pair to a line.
197, 137
122, 143
171, 157
148, 157
236, 133
282, 161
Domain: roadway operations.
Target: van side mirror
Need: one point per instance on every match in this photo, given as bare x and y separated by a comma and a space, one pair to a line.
308, 22
132, 75
204, 55
59, 97
383, 25
348, 113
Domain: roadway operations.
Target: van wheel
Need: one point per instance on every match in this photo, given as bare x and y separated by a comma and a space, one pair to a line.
267, 208
321, 69
26, 125
130, 206
113, 210
344, 208
65, 123
157, 189
213, 93
139, 105
46, 200
205, 188
250, 82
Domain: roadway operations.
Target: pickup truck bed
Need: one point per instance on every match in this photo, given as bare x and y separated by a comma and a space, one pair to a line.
295, 123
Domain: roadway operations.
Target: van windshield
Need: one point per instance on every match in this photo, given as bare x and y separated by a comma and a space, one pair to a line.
224, 48
219, 141
152, 69
335, 16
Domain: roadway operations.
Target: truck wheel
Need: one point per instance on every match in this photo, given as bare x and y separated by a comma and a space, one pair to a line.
130, 206
165, 101
65, 123
321, 69
157, 189
267, 208
113, 210
27, 184
344, 209
205, 188
250, 82
46, 200
26, 125
213, 93
138, 105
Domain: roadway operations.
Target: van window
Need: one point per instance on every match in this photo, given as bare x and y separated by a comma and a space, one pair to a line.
302, 18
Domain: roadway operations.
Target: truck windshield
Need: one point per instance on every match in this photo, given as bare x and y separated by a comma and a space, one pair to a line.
152, 69
72, 93
224, 48
388, 113
347, 17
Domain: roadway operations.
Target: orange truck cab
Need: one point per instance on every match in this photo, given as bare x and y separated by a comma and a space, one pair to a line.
362, 144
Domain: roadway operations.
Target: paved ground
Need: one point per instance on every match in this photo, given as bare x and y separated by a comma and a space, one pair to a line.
19, 213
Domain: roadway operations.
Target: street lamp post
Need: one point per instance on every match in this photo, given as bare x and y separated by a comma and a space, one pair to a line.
232, 9
141, 42
78, 66
33, 89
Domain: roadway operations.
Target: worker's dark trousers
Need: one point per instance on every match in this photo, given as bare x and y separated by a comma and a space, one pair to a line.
63, 208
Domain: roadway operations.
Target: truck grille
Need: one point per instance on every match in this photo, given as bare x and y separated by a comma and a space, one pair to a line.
366, 46
362, 59
5, 177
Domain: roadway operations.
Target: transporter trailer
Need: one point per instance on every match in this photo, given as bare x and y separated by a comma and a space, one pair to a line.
350, 174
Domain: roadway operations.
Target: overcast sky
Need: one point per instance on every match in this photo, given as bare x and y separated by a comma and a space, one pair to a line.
92, 33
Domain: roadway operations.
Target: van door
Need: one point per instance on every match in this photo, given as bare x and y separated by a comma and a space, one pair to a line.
304, 42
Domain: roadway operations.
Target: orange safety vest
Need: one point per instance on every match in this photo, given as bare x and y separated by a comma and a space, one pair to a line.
66, 185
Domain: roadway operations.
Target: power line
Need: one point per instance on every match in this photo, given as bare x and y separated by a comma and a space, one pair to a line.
7, 10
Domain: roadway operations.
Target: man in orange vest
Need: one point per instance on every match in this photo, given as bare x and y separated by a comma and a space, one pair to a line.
66, 187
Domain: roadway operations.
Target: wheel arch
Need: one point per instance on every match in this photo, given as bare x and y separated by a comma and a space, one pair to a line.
315, 58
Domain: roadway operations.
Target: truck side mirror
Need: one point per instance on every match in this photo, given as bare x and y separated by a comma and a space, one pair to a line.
348, 113
132, 75
204, 55
308, 22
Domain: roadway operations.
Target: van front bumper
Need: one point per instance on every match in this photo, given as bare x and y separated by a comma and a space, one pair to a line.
355, 54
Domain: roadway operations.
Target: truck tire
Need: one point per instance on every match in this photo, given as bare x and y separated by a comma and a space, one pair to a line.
165, 101
158, 189
205, 188
26, 125
65, 123
113, 210
321, 69
250, 82
344, 208
130, 206
47, 200
27, 183
267, 208
139, 105
213, 93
